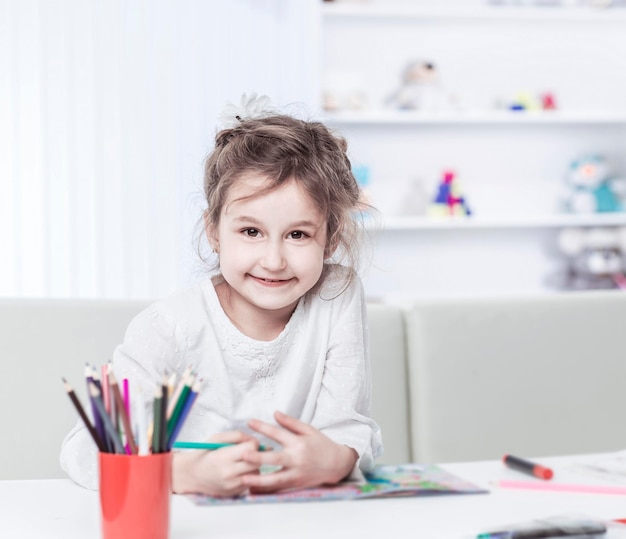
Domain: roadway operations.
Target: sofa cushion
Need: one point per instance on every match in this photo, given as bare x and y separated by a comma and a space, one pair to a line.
541, 375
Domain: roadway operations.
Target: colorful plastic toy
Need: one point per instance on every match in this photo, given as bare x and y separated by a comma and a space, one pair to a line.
449, 199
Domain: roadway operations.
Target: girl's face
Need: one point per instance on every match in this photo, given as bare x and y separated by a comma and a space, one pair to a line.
271, 247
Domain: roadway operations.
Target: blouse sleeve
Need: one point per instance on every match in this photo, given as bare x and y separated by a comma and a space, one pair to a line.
153, 344
343, 406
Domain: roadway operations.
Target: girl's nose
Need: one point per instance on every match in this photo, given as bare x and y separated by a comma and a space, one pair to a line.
273, 257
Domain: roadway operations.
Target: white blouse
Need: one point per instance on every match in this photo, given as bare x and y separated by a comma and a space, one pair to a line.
317, 369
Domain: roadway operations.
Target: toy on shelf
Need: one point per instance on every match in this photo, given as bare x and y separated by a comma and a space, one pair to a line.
528, 101
414, 202
592, 189
420, 88
333, 100
595, 258
525, 101
449, 200
362, 175
548, 101
344, 90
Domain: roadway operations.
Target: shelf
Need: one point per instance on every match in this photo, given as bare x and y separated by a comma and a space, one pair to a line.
399, 117
487, 13
474, 222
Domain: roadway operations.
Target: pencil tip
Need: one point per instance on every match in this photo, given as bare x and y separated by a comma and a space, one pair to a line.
64, 380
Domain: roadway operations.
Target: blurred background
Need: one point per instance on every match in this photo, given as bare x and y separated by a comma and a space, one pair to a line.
489, 134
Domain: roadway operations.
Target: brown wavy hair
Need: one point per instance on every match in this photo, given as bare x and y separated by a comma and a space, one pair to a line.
281, 148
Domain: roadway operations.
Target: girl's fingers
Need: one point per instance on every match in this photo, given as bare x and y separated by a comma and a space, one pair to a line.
225, 456
243, 467
269, 482
230, 437
291, 423
237, 451
272, 458
276, 433
234, 456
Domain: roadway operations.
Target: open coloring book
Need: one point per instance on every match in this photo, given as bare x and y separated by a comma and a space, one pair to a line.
384, 481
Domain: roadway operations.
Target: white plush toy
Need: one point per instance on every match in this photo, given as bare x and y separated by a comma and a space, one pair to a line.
420, 89
595, 256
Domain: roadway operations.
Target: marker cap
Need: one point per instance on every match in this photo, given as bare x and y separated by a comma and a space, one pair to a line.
542, 473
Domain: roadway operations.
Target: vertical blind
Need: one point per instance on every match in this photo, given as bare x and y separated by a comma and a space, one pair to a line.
107, 111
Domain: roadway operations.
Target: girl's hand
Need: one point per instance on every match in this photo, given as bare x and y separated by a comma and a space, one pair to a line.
215, 473
308, 458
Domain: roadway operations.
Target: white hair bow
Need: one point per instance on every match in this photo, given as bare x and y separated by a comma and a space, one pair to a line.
249, 108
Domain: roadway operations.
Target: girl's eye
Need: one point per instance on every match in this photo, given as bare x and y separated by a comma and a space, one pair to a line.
297, 235
251, 232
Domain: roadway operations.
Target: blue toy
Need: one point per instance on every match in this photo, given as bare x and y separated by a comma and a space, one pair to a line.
591, 187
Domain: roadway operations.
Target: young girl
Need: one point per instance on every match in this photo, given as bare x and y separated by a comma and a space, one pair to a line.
278, 335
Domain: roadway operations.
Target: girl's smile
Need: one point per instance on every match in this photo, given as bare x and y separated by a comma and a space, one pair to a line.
270, 282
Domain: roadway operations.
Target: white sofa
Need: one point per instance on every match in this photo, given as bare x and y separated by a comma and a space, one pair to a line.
453, 380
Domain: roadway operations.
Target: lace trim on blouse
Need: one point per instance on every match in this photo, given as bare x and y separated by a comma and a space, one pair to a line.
248, 354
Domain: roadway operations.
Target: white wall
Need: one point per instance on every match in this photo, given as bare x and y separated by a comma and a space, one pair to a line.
107, 110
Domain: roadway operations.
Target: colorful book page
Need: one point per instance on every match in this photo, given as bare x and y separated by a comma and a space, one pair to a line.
385, 481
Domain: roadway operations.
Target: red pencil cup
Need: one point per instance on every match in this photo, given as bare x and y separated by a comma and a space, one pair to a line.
135, 495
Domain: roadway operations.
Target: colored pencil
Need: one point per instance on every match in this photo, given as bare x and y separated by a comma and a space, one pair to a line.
150, 432
126, 399
105, 388
171, 382
163, 417
126, 395
139, 405
83, 415
191, 397
113, 414
207, 446
94, 412
108, 424
121, 410
177, 391
95, 377
179, 405
156, 419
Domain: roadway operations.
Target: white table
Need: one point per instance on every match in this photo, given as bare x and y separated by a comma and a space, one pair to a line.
60, 509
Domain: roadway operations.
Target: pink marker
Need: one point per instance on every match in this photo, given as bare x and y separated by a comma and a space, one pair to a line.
562, 487
126, 396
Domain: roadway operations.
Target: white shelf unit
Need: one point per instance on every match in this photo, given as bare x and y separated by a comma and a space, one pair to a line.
410, 11
416, 118
512, 164
501, 222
